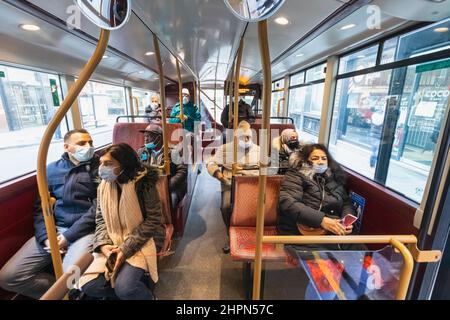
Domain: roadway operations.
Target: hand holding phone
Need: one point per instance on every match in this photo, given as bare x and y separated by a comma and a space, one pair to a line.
348, 220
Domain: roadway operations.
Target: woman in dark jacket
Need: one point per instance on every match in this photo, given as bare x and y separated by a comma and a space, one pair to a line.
313, 195
129, 229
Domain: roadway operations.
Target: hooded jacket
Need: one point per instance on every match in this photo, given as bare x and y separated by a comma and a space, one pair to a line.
306, 197
75, 189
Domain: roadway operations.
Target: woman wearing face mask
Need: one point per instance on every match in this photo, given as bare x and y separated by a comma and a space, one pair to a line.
313, 195
129, 229
154, 110
286, 144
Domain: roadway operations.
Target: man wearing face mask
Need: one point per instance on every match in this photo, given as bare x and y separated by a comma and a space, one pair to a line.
152, 154
72, 181
220, 166
190, 110
286, 145
154, 110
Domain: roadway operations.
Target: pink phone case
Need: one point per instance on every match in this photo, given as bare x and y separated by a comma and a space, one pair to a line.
349, 220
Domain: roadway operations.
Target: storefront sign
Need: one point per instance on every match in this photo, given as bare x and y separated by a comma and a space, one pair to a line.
433, 66
2, 74
54, 89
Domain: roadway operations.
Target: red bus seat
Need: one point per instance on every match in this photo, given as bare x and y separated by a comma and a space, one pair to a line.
243, 219
273, 126
129, 133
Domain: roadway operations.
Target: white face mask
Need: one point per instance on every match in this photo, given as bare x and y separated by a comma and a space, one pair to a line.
185, 100
245, 145
154, 105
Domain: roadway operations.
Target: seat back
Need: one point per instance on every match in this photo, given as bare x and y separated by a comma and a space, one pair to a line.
245, 207
273, 126
129, 133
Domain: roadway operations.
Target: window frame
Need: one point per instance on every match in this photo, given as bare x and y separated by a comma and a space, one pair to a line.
385, 150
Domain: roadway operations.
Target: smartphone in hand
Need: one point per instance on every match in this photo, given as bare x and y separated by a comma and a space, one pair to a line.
111, 262
348, 220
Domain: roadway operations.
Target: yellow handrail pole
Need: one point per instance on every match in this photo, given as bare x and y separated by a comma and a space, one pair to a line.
263, 161
215, 103
279, 106
136, 103
180, 92
230, 95
46, 201
407, 269
237, 74
398, 241
162, 94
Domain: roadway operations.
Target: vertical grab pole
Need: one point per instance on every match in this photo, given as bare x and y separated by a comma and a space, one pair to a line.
136, 102
46, 201
230, 94
236, 106
215, 104
162, 94
264, 138
180, 92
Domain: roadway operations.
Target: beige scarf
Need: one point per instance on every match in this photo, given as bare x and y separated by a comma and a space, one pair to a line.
121, 217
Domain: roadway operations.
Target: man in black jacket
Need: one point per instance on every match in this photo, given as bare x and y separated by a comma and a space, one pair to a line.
245, 113
72, 181
152, 154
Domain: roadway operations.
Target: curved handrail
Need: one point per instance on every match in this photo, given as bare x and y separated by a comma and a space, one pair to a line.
398, 241
284, 118
46, 201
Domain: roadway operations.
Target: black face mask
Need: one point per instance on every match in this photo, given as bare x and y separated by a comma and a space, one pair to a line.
293, 145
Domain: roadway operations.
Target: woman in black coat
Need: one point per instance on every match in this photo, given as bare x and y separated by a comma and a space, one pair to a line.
313, 195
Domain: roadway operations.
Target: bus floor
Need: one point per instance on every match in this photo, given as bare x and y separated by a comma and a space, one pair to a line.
198, 270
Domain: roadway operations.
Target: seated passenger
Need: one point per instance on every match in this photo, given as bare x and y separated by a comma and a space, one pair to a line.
220, 166
152, 154
313, 201
154, 110
190, 110
72, 181
129, 229
313, 195
245, 113
286, 145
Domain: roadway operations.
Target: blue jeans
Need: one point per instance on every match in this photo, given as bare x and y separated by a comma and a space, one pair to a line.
130, 285
25, 273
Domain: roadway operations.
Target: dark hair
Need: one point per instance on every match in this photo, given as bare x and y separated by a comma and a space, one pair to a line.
72, 132
335, 167
128, 159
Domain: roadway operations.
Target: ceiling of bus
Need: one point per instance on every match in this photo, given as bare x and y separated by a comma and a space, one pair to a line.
202, 33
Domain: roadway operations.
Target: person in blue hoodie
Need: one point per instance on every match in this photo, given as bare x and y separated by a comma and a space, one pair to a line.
190, 110
72, 181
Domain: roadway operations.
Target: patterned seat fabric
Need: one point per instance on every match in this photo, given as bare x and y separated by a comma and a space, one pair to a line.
243, 218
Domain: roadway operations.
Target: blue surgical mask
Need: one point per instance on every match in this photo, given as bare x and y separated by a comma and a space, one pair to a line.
320, 168
185, 100
107, 173
150, 146
83, 154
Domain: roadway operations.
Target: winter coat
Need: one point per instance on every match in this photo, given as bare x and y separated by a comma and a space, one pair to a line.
306, 198
191, 111
75, 189
178, 172
245, 112
152, 226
